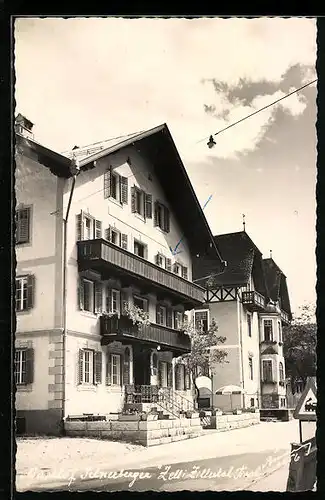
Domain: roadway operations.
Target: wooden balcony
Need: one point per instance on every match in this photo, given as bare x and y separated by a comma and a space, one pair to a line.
123, 330
253, 301
285, 317
112, 261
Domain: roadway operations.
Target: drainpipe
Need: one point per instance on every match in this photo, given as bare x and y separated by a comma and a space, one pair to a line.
241, 347
64, 293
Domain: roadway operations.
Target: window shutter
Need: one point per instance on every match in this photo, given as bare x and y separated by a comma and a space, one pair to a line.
133, 207
108, 380
30, 291
169, 318
23, 225
107, 234
157, 315
124, 241
166, 220
81, 294
169, 375
80, 366
148, 206
98, 229
168, 264
157, 259
29, 366
155, 219
97, 367
107, 182
98, 297
126, 367
80, 235
124, 301
124, 190
184, 272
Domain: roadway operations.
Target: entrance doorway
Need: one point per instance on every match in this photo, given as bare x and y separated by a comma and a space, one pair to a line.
141, 366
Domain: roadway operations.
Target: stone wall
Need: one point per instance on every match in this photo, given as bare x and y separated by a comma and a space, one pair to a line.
145, 432
229, 422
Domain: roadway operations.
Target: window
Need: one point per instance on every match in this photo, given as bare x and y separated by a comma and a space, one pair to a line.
164, 262
25, 289
201, 319
165, 374
161, 315
116, 237
281, 372
268, 330
126, 366
162, 217
23, 366
90, 296
112, 301
90, 367
179, 377
140, 249
184, 272
280, 331
249, 325
116, 369
23, 219
282, 402
88, 228
252, 402
250, 366
178, 320
141, 203
115, 186
176, 268
267, 370
140, 302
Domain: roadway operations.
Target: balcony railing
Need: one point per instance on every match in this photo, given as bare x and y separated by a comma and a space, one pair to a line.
285, 317
122, 328
99, 255
253, 300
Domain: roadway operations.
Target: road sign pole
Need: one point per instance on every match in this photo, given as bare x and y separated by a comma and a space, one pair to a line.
300, 431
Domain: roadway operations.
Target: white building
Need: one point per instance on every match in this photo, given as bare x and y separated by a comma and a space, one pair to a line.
250, 304
93, 244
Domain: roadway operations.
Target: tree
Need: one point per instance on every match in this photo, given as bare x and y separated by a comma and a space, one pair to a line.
204, 352
299, 346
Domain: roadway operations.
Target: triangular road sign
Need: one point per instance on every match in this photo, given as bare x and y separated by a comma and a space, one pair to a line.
307, 404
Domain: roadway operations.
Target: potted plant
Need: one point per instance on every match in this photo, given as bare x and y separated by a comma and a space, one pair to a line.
138, 316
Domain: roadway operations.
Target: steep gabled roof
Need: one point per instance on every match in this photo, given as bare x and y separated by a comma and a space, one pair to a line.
276, 284
158, 147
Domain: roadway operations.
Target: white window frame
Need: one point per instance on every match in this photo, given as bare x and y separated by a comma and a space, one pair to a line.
144, 301
145, 248
139, 199
92, 295
116, 363
280, 331
177, 268
272, 333
21, 373
87, 353
282, 402
176, 321
283, 377
201, 311
91, 220
23, 291
272, 366
162, 260
163, 315
117, 178
115, 295
117, 234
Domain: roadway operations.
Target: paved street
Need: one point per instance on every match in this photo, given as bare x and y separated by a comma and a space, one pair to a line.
243, 459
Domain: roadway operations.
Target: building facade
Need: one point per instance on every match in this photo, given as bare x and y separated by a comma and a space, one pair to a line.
100, 292
250, 304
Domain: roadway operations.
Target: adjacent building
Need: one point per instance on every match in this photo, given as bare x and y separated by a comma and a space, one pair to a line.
250, 303
105, 243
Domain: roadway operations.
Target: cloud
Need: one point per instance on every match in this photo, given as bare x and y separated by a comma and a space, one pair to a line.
91, 79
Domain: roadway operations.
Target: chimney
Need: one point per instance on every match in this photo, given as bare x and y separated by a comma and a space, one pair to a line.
24, 127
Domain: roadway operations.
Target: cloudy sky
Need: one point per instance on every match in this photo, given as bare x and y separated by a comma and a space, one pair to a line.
85, 80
